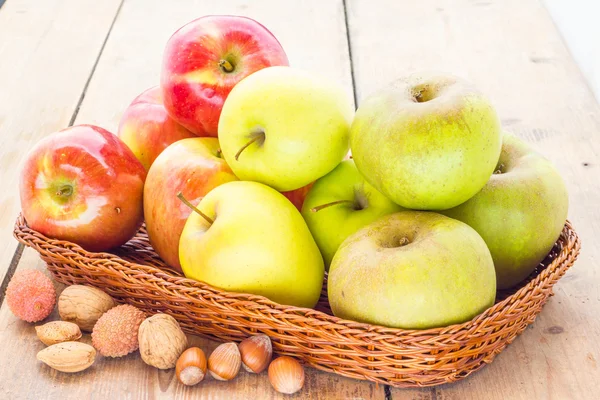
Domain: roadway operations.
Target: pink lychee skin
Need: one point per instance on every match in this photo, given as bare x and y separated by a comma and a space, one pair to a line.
116, 332
30, 295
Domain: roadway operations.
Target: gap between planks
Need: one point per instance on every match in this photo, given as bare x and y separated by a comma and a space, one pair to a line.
386, 388
20, 247
349, 44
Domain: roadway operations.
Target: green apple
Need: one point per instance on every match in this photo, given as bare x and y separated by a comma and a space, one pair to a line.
412, 270
339, 204
428, 142
284, 127
247, 237
519, 213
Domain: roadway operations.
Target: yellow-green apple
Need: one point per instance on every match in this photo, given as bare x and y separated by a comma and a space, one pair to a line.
519, 213
285, 127
147, 129
251, 239
191, 166
83, 185
339, 204
205, 59
428, 142
298, 196
412, 270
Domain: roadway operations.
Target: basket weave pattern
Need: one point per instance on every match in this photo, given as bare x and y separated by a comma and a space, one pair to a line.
397, 357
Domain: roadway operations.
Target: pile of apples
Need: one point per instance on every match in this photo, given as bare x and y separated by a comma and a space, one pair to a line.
239, 165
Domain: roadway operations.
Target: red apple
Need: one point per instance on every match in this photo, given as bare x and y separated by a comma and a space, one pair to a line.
147, 128
297, 196
191, 166
84, 185
204, 60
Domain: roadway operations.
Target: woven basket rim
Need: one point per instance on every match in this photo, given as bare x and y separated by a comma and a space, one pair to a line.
182, 284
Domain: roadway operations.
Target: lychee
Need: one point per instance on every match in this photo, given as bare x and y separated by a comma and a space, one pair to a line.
116, 332
30, 295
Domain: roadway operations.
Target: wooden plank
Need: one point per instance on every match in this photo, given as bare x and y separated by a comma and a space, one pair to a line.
129, 64
47, 50
23, 377
132, 59
512, 50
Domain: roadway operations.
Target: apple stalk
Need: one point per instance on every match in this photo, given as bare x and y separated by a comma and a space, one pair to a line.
185, 201
64, 191
225, 66
259, 136
333, 203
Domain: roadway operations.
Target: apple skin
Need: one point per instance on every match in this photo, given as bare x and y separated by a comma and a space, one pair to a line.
332, 225
428, 142
444, 275
258, 244
195, 84
520, 212
192, 167
83, 185
147, 129
298, 196
301, 123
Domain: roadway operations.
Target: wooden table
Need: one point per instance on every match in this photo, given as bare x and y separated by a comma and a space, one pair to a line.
82, 61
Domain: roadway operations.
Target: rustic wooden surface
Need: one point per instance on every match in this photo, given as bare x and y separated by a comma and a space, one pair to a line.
47, 50
510, 48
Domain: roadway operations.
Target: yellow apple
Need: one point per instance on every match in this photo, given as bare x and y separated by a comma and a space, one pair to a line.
285, 127
428, 141
412, 270
519, 213
253, 240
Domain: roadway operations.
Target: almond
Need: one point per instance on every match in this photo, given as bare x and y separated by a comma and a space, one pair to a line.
57, 332
68, 356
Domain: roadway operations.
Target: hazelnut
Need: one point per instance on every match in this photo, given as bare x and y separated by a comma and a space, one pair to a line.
286, 375
256, 352
224, 363
191, 366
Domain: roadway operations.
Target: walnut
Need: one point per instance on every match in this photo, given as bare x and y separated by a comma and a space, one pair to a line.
161, 341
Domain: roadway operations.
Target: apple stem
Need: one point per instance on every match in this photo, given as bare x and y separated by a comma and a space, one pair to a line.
333, 203
225, 66
403, 241
185, 201
244, 147
499, 169
219, 153
65, 191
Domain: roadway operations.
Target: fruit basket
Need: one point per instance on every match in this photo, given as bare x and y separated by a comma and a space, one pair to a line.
402, 358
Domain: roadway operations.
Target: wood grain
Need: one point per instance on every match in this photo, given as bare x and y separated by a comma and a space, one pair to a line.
132, 58
23, 377
511, 50
47, 51
129, 64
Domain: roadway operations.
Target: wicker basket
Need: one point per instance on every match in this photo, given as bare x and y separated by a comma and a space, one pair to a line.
401, 358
